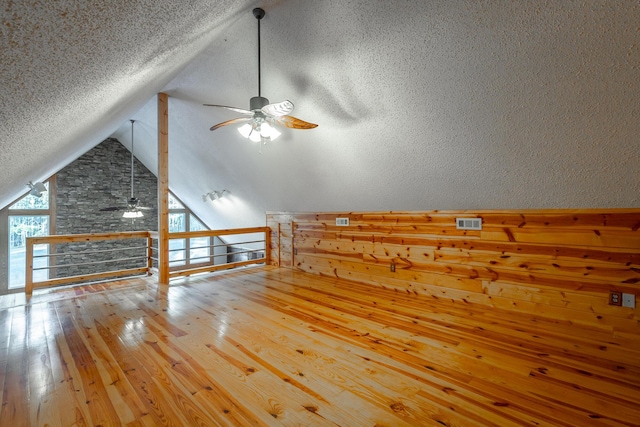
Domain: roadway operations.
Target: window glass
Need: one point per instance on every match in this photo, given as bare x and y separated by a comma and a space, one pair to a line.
174, 203
195, 224
21, 227
199, 249
33, 202
177, 252
177, 222
177, 247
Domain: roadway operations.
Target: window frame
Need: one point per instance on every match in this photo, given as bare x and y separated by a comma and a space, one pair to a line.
187, 263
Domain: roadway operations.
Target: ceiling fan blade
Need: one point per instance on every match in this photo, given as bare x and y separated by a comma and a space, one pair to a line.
232, 121
294, 123
237, 110
111, 209
278, 109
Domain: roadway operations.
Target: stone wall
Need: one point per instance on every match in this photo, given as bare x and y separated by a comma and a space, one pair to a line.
99, 179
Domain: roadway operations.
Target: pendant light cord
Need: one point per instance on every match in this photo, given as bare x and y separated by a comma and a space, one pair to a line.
132, 121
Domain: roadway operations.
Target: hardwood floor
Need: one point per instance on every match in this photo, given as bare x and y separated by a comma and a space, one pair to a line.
272, 346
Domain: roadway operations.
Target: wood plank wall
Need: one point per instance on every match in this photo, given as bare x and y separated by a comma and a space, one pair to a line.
553, 263
281, 226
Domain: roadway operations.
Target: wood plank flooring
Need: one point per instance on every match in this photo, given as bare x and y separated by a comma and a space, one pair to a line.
271, 346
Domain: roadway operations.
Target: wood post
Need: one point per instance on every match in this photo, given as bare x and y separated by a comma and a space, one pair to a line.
267, 247
149, 254
279, 244
163, 188
28, 283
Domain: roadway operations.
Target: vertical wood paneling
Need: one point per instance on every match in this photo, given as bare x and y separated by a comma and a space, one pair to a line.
281, 226
562, 263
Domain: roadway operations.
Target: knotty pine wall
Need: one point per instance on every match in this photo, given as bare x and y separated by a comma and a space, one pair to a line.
554, 263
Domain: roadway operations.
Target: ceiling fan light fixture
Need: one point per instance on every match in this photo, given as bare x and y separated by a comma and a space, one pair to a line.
255, 136
268, 132
262, 132
261, 111
245, 130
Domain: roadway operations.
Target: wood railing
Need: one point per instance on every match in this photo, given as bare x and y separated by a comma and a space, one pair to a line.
104, 251
260, 246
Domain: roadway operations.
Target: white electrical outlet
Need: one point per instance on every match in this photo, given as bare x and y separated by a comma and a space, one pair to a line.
469, 223
342, 222
629, 300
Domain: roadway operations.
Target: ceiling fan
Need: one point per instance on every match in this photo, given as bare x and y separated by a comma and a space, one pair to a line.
132, 209
262, 117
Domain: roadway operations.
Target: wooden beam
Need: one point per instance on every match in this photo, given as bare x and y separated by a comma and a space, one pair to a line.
163, 188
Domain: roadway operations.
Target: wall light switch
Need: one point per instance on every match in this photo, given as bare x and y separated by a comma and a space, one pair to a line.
629, 300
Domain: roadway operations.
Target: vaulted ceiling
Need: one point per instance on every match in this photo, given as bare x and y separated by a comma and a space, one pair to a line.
421, 104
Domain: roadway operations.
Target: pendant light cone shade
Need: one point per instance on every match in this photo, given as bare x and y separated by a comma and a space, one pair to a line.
245, 130
132, 214
269, 132
264, 132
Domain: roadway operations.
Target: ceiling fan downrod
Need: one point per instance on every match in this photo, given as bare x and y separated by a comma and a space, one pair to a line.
259, 14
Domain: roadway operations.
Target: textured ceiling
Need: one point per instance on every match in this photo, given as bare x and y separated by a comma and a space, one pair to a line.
420, 105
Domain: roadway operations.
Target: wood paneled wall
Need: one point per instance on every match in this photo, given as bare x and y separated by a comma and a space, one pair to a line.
281, 226
554, 263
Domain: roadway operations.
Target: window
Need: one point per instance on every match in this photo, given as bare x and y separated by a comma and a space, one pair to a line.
33, 202
177, 247
27, 217
197, 248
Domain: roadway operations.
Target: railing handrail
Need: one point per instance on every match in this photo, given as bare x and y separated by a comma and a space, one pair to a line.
214, 233
87, 237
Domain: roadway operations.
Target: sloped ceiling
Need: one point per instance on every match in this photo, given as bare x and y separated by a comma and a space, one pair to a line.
420, 104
